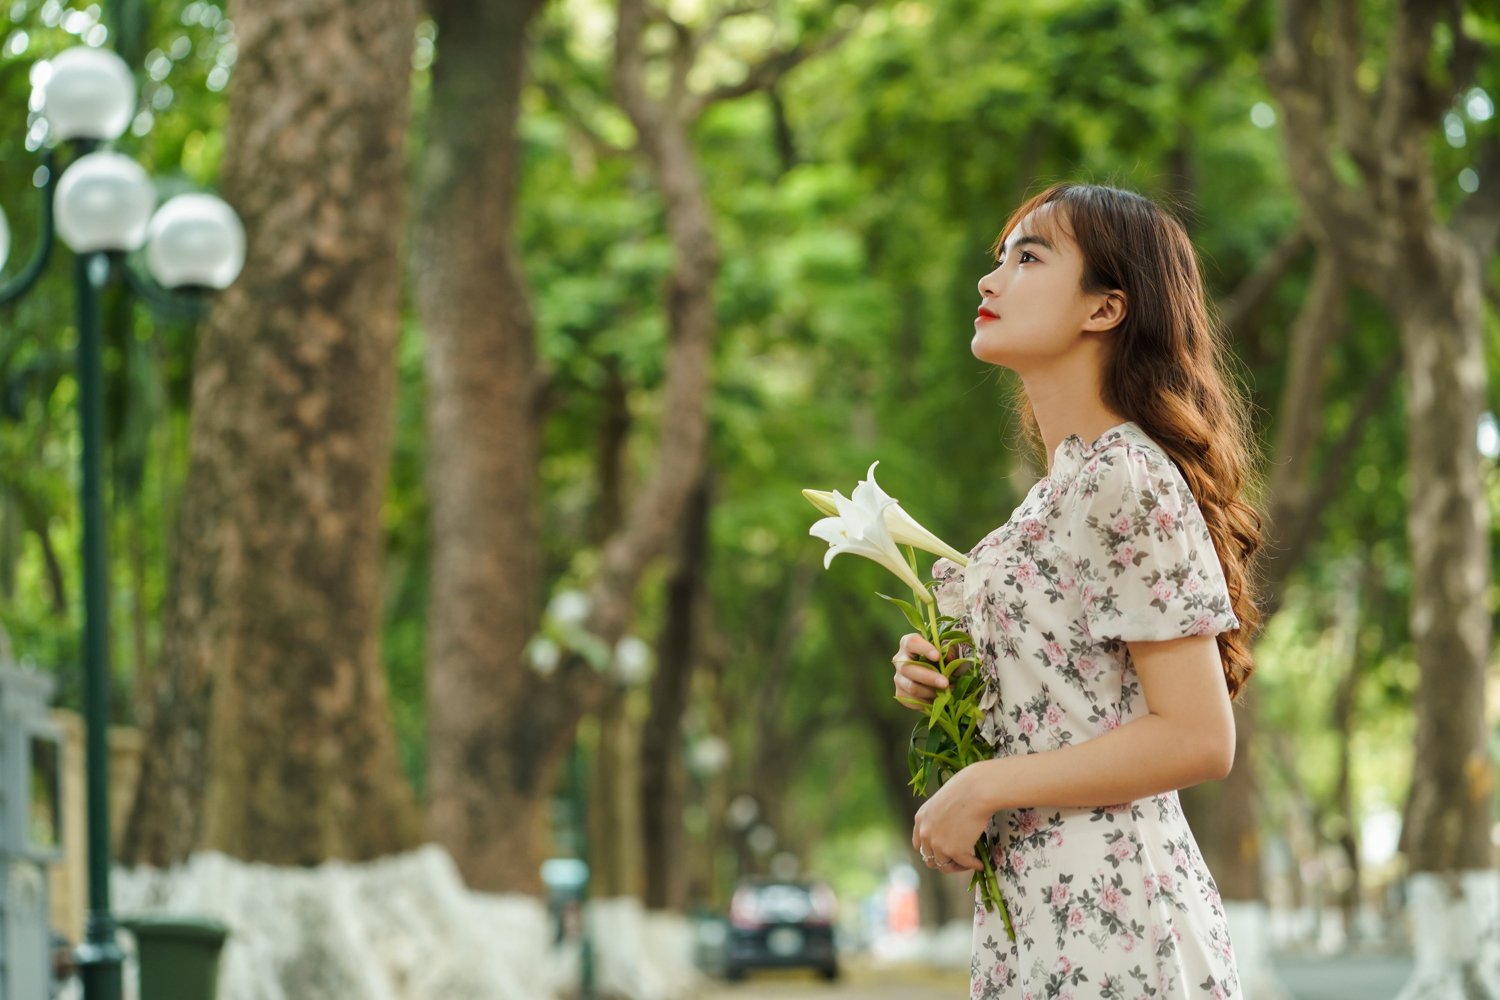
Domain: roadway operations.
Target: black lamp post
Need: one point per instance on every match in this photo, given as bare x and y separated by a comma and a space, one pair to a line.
101, 207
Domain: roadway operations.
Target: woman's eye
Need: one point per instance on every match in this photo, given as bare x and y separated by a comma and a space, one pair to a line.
1025, 254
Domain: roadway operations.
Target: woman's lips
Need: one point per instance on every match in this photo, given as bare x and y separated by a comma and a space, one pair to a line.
984, 314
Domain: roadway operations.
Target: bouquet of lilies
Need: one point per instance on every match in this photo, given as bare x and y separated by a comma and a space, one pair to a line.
871, 523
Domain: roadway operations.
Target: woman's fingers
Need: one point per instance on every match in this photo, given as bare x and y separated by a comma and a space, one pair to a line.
906, 688
919, 682
914, 645
912, 680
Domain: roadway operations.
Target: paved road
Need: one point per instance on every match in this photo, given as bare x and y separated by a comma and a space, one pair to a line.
1361, 978
861, 981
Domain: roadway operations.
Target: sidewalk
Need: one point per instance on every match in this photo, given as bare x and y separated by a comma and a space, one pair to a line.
1345, 977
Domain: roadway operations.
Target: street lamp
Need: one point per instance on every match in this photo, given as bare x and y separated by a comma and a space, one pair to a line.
103, 210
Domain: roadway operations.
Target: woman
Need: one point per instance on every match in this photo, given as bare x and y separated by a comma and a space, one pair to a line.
1111, 613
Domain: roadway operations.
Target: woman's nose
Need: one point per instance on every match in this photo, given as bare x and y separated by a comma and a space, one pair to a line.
989, 285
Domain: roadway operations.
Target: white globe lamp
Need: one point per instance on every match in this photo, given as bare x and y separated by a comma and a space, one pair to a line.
88, 94
104, 202
195, 240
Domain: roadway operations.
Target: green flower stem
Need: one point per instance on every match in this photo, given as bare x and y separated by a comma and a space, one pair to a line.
950, 720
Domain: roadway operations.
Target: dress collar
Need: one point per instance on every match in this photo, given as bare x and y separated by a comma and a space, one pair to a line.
1072, 453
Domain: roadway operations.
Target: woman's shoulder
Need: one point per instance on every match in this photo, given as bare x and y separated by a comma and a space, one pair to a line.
1123, 458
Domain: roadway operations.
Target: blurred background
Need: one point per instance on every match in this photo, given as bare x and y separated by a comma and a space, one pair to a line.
468, 516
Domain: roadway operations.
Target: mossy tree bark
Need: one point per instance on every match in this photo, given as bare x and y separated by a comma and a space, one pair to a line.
270, 730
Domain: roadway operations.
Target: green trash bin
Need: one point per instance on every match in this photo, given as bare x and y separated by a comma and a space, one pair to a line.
179, 956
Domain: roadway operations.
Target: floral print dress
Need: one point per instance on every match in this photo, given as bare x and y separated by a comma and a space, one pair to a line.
1110, 902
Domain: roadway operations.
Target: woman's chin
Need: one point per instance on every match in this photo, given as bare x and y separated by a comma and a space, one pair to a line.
985, 349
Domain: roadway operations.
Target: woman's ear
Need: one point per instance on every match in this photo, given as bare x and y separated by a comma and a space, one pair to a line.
1109, 312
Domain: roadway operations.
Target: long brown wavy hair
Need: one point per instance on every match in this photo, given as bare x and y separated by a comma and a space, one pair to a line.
1166, 369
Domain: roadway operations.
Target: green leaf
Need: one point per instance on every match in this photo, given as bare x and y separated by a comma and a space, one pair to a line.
909, 609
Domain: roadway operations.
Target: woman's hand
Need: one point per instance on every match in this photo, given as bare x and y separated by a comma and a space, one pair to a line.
949, 823
912, 680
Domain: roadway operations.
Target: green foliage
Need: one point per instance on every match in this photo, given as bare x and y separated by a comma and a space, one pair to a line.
854, 214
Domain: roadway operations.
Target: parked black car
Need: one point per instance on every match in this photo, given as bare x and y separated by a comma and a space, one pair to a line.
781, 923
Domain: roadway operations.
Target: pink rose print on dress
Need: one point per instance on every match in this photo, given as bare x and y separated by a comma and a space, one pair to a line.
1027, 821
1054, 837
1075, 919
1026, 723
1122, 525
1165, 519
1122, 849
1026, 574
1163, 590
1018, 862
1088, 667
1054, 715
1055, 653
1125, 554
1059, 894
1033, 529
1193, 584
1110, 721
1064, 965
1127, 941
1202, 625
1151, 886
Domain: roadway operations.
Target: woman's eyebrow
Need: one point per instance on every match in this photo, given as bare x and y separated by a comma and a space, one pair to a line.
1023, 241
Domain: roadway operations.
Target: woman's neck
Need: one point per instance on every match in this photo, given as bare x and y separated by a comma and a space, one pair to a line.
1068, 399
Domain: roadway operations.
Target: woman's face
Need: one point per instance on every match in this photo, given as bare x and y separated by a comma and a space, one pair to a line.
1032, 309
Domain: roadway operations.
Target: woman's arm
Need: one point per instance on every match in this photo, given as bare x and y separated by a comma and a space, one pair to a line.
1186, 737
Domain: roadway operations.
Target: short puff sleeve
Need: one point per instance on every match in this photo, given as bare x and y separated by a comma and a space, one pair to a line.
1144, 562
948, 587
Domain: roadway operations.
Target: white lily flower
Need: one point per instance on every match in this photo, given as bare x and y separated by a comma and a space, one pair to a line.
859, 528
903, 527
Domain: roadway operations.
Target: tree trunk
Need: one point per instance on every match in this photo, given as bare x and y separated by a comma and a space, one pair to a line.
1442, 327
270, 723
615, 851
486, 795
663, 777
